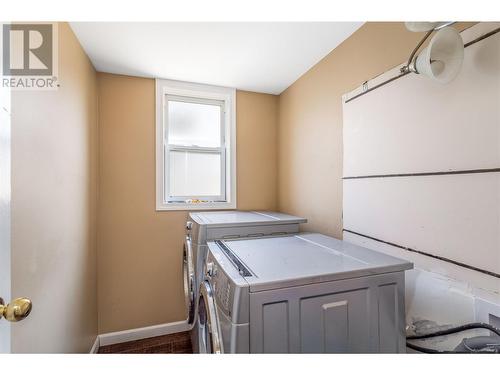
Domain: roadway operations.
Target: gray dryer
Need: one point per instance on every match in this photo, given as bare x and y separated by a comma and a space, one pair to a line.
304, 293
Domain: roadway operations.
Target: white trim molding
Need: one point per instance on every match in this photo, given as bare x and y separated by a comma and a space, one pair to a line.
95, 346
194, 91
143, 333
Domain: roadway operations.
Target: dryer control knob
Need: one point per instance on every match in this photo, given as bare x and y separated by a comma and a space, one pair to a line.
211, 269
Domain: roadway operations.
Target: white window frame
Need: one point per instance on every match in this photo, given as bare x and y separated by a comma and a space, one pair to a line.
196, 93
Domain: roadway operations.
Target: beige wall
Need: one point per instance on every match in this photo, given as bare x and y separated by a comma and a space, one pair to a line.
257, 131
140, 249
310, 121
54, 197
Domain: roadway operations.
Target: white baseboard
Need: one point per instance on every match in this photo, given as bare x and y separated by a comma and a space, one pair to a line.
143, 333
95, 347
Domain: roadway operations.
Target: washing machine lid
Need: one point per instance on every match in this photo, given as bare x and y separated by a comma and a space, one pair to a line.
307, 258
243, 218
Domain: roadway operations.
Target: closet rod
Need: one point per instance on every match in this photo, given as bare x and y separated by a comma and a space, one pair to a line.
487, 35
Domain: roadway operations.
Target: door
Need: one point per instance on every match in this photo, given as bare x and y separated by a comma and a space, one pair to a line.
18, 309
208, 325
48, 206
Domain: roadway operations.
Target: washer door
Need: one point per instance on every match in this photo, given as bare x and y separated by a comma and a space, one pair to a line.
189, 280
208, 325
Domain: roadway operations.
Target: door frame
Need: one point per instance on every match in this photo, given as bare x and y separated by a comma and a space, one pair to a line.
5, 213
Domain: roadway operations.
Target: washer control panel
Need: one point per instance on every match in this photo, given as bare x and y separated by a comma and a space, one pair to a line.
222, 287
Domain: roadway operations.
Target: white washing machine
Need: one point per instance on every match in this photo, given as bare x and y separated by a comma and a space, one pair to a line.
304, 293
205, 226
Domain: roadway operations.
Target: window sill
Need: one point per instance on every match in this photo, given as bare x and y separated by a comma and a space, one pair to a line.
195, 206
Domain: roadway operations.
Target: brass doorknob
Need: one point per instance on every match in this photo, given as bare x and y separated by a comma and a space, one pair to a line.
15, 311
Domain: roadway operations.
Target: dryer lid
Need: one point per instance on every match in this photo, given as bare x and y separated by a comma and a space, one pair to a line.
308, 258
243, 218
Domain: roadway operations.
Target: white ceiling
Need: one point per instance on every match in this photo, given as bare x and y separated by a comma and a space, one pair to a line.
261, 57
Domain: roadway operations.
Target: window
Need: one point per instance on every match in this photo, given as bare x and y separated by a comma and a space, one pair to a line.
195, 146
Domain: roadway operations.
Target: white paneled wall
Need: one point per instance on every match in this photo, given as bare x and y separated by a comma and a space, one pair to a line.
414, 125
452, 216
401, 141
